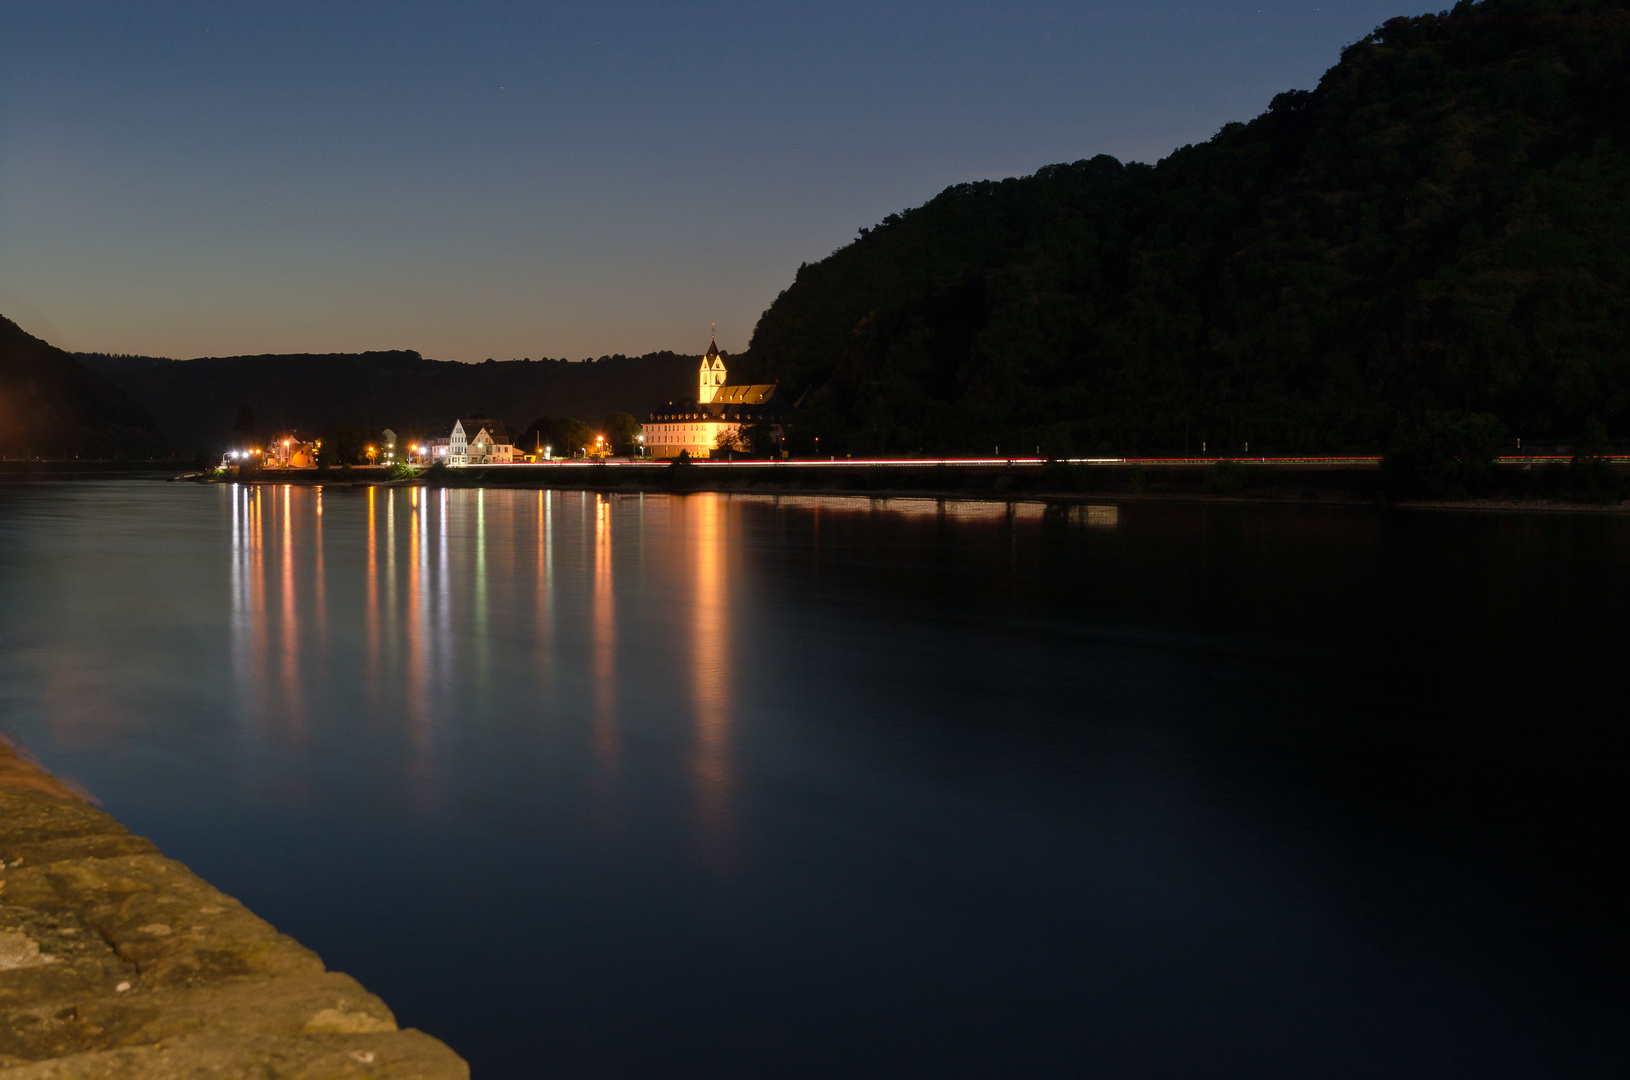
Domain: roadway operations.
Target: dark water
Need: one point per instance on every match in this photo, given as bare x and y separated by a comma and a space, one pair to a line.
712, 786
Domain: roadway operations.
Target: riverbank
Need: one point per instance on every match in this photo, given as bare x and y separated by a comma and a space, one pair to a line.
116, 962
82, 468
1523, 484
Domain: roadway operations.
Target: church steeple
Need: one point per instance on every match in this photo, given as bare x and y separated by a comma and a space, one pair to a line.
711, 377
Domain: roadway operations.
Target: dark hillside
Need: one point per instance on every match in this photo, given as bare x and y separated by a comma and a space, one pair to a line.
53, 406
197, 401
1440, 229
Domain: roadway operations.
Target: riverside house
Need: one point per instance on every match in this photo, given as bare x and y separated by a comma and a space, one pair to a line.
480, 440
289, 451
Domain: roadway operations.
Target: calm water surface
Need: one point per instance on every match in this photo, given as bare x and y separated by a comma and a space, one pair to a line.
707, 786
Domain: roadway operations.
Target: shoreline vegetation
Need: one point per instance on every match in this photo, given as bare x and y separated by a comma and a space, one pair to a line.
1546, 485
1588, 484
1594, 483
117, 961
1553, 484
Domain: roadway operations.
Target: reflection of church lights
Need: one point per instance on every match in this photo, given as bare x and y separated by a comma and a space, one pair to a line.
292, 696
545, 582
320, 611
710, 676
373, 599
605, 633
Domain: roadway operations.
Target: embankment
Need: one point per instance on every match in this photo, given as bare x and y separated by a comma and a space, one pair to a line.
1542, 483
116, 962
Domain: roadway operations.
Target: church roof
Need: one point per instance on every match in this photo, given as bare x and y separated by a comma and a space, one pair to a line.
712, 351
734, 404
755, 394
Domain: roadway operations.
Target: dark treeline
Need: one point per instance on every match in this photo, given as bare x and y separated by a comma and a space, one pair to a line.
567, 436
1432, 246
53, 406
196, 401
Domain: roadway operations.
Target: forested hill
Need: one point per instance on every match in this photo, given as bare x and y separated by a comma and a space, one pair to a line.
196, 401
1440, 229
53, 406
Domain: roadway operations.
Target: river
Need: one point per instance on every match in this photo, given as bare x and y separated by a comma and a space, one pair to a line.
706, 785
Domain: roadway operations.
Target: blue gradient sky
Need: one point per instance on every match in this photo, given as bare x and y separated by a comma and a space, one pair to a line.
507, 180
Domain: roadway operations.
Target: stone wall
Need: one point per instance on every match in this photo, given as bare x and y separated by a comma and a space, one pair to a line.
116, 962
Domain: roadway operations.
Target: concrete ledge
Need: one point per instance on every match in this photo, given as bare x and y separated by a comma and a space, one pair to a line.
116, 962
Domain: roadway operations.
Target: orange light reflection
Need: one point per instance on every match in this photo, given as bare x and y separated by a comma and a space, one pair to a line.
710, 670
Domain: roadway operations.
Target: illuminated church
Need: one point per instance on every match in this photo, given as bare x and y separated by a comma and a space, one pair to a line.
711, 425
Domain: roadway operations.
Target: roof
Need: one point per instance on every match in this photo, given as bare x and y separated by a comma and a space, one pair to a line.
759, 402
755, 394
473, 426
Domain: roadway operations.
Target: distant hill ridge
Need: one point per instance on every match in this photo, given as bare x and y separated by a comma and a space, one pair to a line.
196, 401
51, 405
1438, 231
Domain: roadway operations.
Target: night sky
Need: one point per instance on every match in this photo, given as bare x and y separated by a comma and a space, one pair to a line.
508, 180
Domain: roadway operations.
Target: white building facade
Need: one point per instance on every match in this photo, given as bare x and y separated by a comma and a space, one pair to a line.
477, 440
714, 420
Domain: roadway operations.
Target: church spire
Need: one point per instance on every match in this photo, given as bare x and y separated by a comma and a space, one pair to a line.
711, 377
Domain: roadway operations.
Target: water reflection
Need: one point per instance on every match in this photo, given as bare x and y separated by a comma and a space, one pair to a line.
1097, 517
418, 651
604, 635
1276, 791
710, 675
544, 587
293, 695
371, 607
321, 609
424, 620
248, 617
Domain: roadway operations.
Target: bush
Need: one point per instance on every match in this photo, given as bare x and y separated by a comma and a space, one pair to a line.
681, 473
1226, 477
1060, 476
1442, 456
1590, 474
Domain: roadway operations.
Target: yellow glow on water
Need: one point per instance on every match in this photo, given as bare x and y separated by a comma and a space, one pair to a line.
710, 675
604, 631
418, 660
372, 614
544, 585
293, 696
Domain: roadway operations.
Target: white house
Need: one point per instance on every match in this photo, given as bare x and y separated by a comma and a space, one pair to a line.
479, 440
